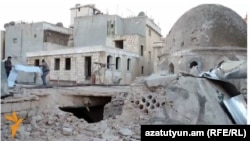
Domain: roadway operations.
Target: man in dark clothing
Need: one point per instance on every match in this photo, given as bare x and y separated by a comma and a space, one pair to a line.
45, 69
8, 66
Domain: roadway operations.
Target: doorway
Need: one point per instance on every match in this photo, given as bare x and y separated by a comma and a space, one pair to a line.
171, 68
88, 67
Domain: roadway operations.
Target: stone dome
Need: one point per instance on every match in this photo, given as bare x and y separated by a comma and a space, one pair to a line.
208, 25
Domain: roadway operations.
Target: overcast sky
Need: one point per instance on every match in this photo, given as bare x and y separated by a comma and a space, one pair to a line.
164, 12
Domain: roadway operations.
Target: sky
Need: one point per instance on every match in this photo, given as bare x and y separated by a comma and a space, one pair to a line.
164, 12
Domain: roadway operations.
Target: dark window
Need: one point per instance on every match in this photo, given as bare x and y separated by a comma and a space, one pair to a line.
142, 69
117, 63
34, 35
171, 68
193, 64
37, 62
109, 61
141, 50
57, 64
119, 44
79, 9
128, 64
67, 63
88, 62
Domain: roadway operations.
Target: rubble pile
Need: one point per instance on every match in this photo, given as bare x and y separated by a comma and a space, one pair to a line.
175, 99
158, 99
52, 124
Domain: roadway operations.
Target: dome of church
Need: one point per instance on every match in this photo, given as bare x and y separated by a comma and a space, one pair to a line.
208, 25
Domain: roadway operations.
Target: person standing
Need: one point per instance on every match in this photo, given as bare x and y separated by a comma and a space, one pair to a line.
8, 66
45, 71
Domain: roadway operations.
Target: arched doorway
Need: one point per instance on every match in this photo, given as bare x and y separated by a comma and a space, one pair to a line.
193, 64
171, 68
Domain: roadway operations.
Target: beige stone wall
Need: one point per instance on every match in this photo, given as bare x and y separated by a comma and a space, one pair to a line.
77, 71
2, 38
130, 42
206, 59
151, 37
133, 43
102, 75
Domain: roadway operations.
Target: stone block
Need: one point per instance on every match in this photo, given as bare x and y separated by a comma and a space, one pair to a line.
26, 105
34, 104
67, 131
16, 107
22, 114
6, 108
20, 106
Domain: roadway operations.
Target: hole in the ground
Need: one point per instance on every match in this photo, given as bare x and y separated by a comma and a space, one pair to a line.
147, 104
141, 106
95, 114
157, 104
143, 100
146, 111
163, 103
91, 114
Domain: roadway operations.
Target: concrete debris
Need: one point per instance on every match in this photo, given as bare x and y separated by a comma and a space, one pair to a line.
67, 131
126, 132
172, 99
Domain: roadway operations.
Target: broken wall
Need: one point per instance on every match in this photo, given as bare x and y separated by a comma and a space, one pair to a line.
4, 82
55, 37
204, 57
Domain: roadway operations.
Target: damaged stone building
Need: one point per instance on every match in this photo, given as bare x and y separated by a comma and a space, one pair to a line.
175, 95
22, 37
204, 40
107, 49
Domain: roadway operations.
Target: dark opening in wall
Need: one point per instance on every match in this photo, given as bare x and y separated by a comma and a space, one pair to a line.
171, 68
67, 63
128, 64
91, 114
88, 62
37, 62
119, 44
57, 64
141, 50
118, 63
142, 69
109, 61
193, 64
